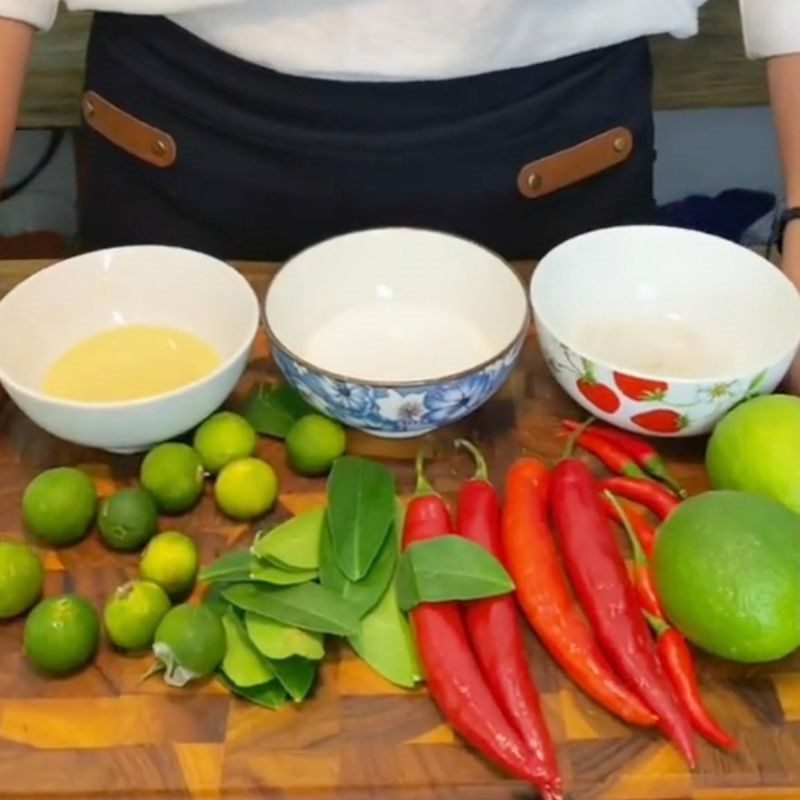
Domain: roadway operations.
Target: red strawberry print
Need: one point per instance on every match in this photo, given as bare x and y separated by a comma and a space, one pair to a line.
641, 389
661, 420
598, 394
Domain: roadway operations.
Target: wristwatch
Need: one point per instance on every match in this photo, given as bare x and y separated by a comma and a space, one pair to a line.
782, 221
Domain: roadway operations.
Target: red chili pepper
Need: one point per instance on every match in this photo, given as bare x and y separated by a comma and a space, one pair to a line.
642, 574
646, 493
611, 456
641, 451
598, 574
645, 533
678, 663
493, 627
545, 596
451, 670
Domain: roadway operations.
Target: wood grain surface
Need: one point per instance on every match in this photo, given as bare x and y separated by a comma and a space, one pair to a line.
708, 70
101, 735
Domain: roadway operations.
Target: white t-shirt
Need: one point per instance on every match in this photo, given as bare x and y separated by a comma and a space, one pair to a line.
428, 39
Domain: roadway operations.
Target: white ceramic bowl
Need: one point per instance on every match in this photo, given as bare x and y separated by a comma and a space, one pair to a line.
396, 331
82, 296
662, 330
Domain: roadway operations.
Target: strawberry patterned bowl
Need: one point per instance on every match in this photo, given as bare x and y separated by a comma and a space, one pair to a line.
661, 330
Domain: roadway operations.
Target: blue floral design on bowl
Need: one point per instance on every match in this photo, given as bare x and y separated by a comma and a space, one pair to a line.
398, 411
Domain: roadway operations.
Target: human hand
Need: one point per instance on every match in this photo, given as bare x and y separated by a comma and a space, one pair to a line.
791, 266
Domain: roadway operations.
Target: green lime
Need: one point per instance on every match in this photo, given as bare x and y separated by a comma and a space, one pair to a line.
246, 488
727, 567
756, 448
133, 613
223, 438
190, 643
58, 506
173, 474
170, 560
21, 578
313, 443
61, 634
128, 519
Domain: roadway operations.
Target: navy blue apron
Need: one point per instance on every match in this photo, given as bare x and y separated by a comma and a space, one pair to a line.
262, 164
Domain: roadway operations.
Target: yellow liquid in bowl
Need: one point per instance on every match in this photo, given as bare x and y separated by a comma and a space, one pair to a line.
129, 363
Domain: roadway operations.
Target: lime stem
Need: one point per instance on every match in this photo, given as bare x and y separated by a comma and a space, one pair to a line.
481, 470
424, 486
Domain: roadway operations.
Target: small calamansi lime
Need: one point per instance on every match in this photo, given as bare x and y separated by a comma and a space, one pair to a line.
170, 560
246, 488
58, 506
133, 613
21, 578
190, 643
128, 519
223, 438
313, 443
173, 475
61, 634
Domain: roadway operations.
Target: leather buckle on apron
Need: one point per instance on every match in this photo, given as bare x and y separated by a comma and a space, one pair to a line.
128, 133
584, 160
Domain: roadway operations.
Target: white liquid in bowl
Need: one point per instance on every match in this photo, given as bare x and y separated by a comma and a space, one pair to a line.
397, 341
658, 346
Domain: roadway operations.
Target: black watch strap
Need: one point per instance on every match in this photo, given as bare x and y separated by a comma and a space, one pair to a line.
782, 222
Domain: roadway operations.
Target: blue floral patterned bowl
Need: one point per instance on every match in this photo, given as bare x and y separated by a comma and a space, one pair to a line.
396, 331
660, 330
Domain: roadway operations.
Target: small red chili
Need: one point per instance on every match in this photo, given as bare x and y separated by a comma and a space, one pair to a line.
641, 451
646, 493
645, 532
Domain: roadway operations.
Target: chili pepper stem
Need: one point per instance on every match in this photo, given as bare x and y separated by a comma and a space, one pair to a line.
659, 626
481, 470
656, 467
639, 558
424, 487
569, 447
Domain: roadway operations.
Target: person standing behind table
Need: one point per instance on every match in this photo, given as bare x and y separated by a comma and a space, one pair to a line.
252, 128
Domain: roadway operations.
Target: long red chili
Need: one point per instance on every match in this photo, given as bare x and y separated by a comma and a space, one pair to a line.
545, 596
641, 451
645, 532
451, 670
612, 457
646, 493
597, 570
678, 663
494, 629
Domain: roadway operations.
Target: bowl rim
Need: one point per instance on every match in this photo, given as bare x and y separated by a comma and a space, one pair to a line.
141, 402
408, 382
541, 319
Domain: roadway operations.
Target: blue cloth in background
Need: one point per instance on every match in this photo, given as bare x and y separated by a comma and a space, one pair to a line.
728, 215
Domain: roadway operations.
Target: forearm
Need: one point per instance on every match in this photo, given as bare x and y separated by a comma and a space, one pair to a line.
784, 84
15, 46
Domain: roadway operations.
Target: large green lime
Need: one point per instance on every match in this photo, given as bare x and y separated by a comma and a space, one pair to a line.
21, 578
756, 448
128, 519
727, 567
61, 634
313, 443
58, 505
223, 438
173, 474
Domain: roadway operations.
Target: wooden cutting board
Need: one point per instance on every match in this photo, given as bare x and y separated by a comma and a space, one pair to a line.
101, 735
